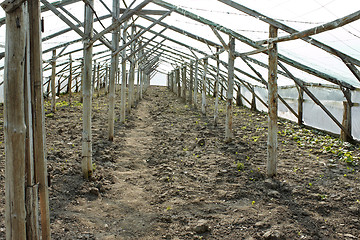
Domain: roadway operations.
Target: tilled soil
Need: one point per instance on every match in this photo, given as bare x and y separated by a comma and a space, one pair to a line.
168, 174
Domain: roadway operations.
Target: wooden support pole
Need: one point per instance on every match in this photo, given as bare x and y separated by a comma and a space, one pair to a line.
113, 70
253, 99
238, 96
191, 88
38, 121
196, 83
184, 85
70, 79
53, 93
123, 78
273, 107
203, 92
177, 71
216, 90
14, 124
132, 72
300, 106
98, 80
230, 92
87, 168
347, 118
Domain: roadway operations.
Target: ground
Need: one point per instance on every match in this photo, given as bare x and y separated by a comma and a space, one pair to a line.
168, 174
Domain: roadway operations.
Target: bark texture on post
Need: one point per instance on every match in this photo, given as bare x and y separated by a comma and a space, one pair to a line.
184, 85
216, 90
53, 92
273, 107
86, 164
300, 106
131, 102
38, 120
70, 79
196, 83
178, 82
191, 87
123, 78
113, 70
230, 92
14, 124
347, 118
203, 92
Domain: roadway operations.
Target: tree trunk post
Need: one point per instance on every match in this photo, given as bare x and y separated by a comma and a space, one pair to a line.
203, 92
196, 83
132, 72
300, 106
87, 168
184, 85
273, 107
70, 79
191, 88
253, 99
347, 117
230, 92
123, 78
216, 89
53, 72
14, 124
238, 96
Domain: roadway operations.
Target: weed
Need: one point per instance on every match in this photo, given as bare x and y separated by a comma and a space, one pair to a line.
240, 166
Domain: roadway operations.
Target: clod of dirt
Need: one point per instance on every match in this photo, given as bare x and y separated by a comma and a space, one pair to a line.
94, 191
202, 226
273, 235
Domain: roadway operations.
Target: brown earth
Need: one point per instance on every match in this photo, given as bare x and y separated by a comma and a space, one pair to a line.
170, 175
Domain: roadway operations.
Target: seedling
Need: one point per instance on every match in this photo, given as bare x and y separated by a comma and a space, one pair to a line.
240, 166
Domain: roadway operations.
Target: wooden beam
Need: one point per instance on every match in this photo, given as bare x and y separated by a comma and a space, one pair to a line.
272, 146
123, 78
216, 90
226, 47
53, 70
315, 30
203, 92
146, 12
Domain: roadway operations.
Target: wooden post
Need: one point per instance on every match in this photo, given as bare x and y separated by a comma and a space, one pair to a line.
273, 106
300, 106
86, 165
53, 71
98, 80
123, 78
38, 120
230, 92
106, 81
131, 102
238, 96
347, 118
203, 92
196, 82
70, 79
178, 82
191, 88
222, 92
253, 99
14, 124
184, 85
216, 89
113, 70
93, 78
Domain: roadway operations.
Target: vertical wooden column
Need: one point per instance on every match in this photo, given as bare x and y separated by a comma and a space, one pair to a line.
53, 71
106, 80
216, 89
178, 81
273, 106
196, 82
38, 121
131, 102
238, 96
184, 82
230, 92
347, 118
70, 79
86, 164
203, 92
113, 69
14, 124
191, 87
93, 78
98, 80
300, 106
253, 99
123, 78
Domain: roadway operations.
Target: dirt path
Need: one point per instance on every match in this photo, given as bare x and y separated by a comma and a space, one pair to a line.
168, 174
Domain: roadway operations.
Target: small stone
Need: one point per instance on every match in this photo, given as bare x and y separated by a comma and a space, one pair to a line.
202, 226
272, 235
274, 194
348, 235
94, 191
269, 183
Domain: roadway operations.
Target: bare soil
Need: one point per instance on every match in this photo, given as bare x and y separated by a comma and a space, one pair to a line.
168, 174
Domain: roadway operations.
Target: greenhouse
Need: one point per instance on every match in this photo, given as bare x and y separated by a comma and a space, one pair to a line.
152, 119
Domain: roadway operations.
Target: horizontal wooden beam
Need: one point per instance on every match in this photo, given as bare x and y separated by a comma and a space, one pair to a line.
315, 30
146, 12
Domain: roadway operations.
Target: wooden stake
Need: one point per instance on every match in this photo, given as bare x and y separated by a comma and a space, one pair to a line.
347, 118
196, 83
53, 93
123, 78
87, 168
70, 79
230, 92
113, 69
300, 106
14, 124
184, 87
238, 96
41, 176
191, 88
273, 107
203, 92
216, 90
132, 72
